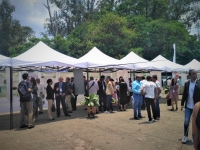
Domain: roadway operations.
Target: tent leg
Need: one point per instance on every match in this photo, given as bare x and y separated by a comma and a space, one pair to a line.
11, 100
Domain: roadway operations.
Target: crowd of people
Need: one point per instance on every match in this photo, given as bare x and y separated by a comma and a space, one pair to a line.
143, 91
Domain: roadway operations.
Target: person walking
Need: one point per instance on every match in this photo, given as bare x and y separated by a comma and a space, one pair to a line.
50, 98
123, 94
174, 92
74, 95
158, 96
68, 94
149, 91
137, 96
109, 93
102, 93
59, 90
196, 126
40, 94
26, 102
35, 99
191, 96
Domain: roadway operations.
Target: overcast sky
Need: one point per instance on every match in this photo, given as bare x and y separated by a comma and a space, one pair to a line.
32, 13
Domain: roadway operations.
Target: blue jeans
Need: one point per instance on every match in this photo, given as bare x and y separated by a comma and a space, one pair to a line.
137, 104
108, 102
188, 113
158, 107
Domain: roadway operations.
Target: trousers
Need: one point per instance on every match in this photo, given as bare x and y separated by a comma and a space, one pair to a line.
62, 100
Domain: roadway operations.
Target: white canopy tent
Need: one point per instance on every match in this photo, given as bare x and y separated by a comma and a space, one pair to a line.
43, 55
162, 64
194, 64
131, 59
95, 58
5, 61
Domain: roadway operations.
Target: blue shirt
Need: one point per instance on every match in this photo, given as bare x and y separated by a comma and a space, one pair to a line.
136, 87
179, 82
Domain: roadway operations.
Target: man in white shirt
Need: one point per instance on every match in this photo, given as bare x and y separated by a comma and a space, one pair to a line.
149, 90
41, 93
158, 91
93, 86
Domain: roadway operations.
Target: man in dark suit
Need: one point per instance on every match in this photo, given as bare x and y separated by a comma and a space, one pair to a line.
60, 89
74, 95
191, 96
102, 93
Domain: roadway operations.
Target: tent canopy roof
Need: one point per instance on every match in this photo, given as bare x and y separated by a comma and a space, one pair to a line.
194, 64
163, 64
5, 61
96, 58
132, 58
43, 55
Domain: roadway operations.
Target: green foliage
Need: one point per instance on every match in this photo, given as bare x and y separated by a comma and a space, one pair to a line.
91, 101
11, 32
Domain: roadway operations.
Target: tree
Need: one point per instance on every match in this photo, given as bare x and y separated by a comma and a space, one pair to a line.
11, 32
110, 34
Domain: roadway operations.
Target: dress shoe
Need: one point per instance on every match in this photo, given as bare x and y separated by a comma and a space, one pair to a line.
136, 118
40, 112
141, 117
58, 115
68, 115
69, 111
51, 119
30, 127
23, 126
85, 109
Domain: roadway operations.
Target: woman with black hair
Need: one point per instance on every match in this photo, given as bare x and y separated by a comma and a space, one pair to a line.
35, 99
123, 94
50, 97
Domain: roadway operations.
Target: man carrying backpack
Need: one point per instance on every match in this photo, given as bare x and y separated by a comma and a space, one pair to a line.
26, 104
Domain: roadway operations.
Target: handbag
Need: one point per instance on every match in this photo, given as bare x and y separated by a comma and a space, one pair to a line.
53, 109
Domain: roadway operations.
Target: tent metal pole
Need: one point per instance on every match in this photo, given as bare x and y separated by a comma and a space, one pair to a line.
11, 100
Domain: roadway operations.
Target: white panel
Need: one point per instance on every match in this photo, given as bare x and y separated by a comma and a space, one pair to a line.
78, 81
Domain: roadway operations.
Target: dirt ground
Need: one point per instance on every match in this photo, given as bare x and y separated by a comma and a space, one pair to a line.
117, 131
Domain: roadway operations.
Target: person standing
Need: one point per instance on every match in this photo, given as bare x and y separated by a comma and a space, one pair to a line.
35, 99
158, 96
50, 98
40, 94
74, 95
191, 96
149, 91
179, 85
93, 86
59, 90
102, 93
174, 92
26, 103
136, 87
109, 93
123, 94
68, 94
143, 98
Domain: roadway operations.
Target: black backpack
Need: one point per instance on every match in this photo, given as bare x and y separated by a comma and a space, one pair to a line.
25, 95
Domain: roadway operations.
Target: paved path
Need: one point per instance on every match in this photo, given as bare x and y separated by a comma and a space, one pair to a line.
116, 131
